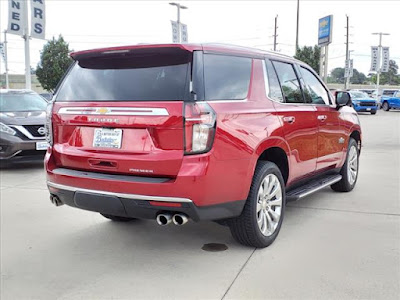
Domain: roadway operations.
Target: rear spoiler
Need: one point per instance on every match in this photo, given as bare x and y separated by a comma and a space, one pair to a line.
136, 50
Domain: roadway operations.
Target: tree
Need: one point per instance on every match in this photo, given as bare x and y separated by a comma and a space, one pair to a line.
310, 56
390, 77
54, 62
337, 76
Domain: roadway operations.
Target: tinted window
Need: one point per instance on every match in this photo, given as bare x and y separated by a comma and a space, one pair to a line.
226, 77
135, 78
314, 91
275, 91
289, 82
21, 102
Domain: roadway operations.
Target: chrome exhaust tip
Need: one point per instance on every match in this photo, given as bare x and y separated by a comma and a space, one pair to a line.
164, 219
55, 200
180, 219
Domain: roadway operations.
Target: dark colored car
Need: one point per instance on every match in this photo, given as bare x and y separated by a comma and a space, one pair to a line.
203, 132
22, 130
363, 103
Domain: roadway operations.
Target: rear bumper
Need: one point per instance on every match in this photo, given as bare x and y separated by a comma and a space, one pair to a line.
203, 189
141, 206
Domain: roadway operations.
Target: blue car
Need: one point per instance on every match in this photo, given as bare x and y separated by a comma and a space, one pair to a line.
391, 102
363, 103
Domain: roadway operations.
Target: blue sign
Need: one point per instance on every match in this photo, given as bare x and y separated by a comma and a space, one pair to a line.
325, 30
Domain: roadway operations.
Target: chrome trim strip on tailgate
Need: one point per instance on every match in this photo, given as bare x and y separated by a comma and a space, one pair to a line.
120, 195
114, 111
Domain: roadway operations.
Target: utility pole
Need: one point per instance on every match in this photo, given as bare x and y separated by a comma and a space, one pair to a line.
6, 59
275, 31
179, 7
378, 73
346, 81
27, 53
297, 26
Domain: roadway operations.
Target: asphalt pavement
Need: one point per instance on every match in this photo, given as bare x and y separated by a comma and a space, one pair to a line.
331, 245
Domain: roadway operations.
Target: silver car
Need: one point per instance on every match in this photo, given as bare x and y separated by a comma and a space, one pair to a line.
22, 130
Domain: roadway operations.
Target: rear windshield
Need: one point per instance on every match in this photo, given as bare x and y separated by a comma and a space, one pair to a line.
21, 102
148, 77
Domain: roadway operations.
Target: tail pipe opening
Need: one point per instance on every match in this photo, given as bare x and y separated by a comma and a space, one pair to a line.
164, 219
180, 219
55, 200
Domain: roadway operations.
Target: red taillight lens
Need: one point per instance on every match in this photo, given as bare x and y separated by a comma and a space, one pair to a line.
200, 121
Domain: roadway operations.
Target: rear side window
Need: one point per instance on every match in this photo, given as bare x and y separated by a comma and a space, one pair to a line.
289, 82
275, 91
128, 78
226, 77
314, 91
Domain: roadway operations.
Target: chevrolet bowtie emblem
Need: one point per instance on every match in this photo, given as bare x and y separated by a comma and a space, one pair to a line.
102, 110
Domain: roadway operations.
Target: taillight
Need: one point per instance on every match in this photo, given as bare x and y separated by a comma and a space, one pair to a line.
48, 125
200, 121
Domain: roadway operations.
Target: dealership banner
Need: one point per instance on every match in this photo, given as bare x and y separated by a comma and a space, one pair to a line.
2, 51
385, 59
374, 59
38, 19
175, 32
16, 11
184, 33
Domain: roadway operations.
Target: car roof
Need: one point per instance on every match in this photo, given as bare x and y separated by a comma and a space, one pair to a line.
208, 47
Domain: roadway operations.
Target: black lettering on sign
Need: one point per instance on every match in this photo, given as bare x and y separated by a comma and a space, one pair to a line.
15, 16
40, 1
15, 4
38, 28
15, 27
38, 12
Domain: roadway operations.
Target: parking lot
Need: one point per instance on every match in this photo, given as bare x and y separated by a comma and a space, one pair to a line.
331, 245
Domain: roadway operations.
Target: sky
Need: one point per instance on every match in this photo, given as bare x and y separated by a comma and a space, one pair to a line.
94, 24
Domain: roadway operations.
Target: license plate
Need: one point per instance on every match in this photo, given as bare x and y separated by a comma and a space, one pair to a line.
41, 146
368, 109
107, 138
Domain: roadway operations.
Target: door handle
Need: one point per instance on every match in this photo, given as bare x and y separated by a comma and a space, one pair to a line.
289, 120
322, 117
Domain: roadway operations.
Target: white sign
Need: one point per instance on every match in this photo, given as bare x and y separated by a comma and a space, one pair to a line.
348, 70
38, 19
385, 59
374, 59
184, 33
16, 11
2, 51
175, 32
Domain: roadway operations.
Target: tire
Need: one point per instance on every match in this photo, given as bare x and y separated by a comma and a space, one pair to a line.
347, 183
373, 112
245, 229
118, 218
385, 106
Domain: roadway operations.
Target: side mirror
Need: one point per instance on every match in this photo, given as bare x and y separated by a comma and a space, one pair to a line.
342, 99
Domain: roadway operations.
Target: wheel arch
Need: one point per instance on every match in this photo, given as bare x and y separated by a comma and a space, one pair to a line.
356, 135
277, 151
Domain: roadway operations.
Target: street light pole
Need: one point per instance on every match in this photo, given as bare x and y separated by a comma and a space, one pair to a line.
27, 51
6, 59
179, 7
297, 26
275, 31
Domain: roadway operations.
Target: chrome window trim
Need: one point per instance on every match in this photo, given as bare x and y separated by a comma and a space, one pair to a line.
114, 111
120, 195
266, 80
27, 133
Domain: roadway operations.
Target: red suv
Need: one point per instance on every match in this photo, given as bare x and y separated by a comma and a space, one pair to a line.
202, 132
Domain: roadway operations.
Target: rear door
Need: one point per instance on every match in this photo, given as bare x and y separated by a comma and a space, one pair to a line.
298, 119
331, 136
122, 112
